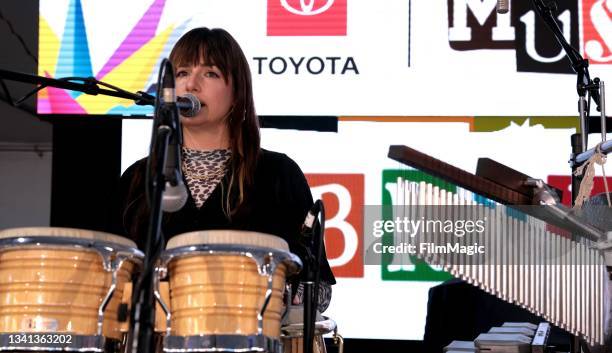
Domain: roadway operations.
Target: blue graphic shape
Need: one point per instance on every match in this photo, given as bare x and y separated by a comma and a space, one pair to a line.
74, 59
133, 110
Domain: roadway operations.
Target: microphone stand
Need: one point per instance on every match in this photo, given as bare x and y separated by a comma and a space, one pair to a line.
584, 85
89, 86
166, 126
313, 276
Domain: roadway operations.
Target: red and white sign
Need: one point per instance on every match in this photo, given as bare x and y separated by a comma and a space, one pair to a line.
343, 196
307, 17
564, 182
597, 30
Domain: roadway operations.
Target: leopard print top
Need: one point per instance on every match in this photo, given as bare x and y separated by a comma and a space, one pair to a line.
203, 170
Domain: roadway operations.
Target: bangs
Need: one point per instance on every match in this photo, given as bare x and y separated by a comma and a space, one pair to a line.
198, 47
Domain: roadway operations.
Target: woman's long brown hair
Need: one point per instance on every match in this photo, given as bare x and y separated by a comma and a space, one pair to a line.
217, 47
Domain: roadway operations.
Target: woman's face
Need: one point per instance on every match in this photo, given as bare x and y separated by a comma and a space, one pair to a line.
207, 83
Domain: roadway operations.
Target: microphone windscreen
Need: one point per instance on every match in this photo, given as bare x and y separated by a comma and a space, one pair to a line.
195, 105
174, 197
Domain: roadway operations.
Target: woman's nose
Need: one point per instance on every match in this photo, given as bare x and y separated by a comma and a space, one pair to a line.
192, 83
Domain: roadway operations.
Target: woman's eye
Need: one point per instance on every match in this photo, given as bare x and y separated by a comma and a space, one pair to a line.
181, 73
211, 74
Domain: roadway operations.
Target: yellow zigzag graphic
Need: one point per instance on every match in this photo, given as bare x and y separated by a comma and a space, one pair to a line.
49, 50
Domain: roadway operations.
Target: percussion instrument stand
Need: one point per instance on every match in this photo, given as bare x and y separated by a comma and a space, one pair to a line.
595, 90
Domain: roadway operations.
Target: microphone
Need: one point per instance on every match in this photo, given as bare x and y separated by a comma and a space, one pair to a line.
503, 6
312, 269
311, 217
174, 197
188, 104
175, 191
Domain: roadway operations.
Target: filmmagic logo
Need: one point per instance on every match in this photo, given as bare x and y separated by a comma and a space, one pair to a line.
424, 249
474, 24
307, 17
307, 8
427, 230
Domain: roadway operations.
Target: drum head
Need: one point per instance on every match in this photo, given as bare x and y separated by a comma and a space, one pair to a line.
233, 237
56, 232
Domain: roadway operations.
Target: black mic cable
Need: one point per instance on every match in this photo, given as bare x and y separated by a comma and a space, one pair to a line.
315, 231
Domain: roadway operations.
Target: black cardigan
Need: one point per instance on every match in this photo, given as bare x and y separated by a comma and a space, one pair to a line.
277, 204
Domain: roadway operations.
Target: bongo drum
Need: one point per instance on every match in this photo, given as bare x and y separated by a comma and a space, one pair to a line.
293, 332
60, 288
226, 291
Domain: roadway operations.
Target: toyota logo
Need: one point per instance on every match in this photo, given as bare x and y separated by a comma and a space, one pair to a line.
307, 7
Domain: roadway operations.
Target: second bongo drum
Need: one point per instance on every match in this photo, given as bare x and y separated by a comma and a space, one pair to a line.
226, 291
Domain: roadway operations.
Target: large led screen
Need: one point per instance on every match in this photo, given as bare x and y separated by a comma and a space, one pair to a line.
350, 171
450, 78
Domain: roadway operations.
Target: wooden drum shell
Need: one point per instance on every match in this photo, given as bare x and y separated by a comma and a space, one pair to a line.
58, 289
222, 294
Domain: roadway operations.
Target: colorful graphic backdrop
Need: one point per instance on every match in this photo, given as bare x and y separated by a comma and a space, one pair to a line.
336, 57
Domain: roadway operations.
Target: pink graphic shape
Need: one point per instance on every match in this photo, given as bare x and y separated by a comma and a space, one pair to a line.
43, 106
61, 102
140, 34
